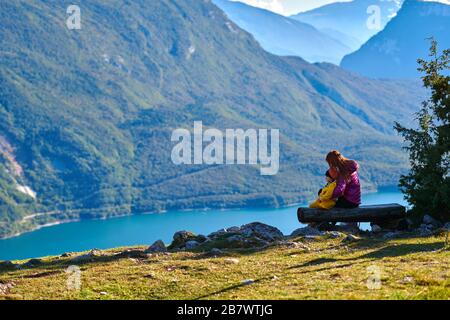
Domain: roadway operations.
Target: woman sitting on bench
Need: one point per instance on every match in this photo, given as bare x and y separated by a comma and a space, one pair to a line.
348, 188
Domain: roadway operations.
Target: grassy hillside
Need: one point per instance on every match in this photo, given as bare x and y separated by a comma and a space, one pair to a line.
410, 267
88, 113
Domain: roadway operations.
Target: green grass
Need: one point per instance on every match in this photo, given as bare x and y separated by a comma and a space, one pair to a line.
411, 268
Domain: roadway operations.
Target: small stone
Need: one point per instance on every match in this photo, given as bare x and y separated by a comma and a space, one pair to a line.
351, 238
192, 244
306, 231
247, 282
311, 237
334, 234
157, 247
289, 244
5, 287
103, 293
376, 228
96, 253
215, 252
408, 279
66, 255
90, 256
231, 261
390, 235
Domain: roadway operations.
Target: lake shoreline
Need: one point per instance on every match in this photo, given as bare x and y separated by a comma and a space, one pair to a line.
204, 209
145, 228
209, 209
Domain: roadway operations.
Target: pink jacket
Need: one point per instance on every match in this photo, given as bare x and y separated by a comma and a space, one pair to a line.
350, 190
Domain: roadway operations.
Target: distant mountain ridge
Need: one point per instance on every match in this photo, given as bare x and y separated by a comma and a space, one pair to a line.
348, 21
88, 114
393, 52
284, 36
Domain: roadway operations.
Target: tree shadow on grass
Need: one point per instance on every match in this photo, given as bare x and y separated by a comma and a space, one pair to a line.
230, 288
390, 251
401, 250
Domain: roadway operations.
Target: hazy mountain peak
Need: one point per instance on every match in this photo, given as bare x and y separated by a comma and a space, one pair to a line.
356, 20
393, 52
285, 36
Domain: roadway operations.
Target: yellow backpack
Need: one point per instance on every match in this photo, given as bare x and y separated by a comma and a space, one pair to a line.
325, 200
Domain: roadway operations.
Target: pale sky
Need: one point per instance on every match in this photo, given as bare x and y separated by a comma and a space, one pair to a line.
290, 7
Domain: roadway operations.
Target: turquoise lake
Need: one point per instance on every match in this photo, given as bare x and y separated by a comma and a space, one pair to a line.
145, 229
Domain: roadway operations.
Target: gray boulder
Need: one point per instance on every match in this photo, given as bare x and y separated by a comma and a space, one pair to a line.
376, 228
425, 230
261, 231
66, 255
180, 239
429, 220
8, 265
334, 234
32, 263
252, 235
157, 247
351, 238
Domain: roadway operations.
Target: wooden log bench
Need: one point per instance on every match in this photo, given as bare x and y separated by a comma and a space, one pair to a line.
376, 214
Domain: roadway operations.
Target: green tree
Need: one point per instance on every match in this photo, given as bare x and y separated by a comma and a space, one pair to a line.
427, 185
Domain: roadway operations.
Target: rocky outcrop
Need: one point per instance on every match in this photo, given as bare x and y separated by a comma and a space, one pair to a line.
181, 238
157, 247
252, 235
261, 231
8, 265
